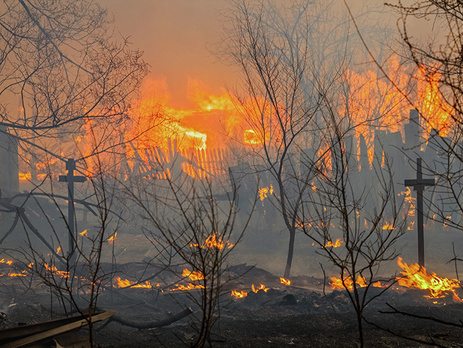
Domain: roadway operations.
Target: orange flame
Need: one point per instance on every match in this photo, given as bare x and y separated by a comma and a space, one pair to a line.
125, 283
250, 137
285, 281
415, 276
387, 226
195, 275
264, 191
336, 283
213, 241
239, 294
336, 244
112, 238
54, 270
8, 262
25, 176
261, 287
13, 274
190, 286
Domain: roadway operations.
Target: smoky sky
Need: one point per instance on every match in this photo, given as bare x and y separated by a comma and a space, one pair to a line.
179, 39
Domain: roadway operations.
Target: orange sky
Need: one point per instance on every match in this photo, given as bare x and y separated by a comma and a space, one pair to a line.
179, 40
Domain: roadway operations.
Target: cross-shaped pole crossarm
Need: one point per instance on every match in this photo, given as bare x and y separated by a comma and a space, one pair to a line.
418, 185
64, 178
70, 178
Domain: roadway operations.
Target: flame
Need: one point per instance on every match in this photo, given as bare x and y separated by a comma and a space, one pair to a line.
125, 283
387, 226
436, 112
83, 233
264, 191
58, 250
25, 176
195, 275
337, 283
112, 238
239, 294
190, 286
8, 262
213, 241
250, 137
13, 274
285, 281
336, 244
261, 287
52, 269
415, 276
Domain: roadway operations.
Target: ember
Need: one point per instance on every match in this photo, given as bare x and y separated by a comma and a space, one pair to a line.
415, 276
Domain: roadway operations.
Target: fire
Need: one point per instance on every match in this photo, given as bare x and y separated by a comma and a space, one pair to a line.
264, 191
125, 283
25, 176
336, 244
239, 294
388, 226
52, 269
250, 137
213, 241
195, 275
13, 274
83, 233
436, 112
337, 283
8, 262
190, 286
261, 287
112, 238
415, 276
285, 281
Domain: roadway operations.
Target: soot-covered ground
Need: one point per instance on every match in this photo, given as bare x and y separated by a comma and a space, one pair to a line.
300, 315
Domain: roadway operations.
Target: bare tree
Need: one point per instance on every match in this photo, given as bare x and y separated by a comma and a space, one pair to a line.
198, 219
62, 64
353, 220
280, 103
288, 62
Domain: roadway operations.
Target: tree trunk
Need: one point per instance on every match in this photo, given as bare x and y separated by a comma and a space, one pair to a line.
360, 327
289, 260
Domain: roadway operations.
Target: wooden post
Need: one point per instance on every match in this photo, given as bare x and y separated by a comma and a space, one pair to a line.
418, 185
70, 178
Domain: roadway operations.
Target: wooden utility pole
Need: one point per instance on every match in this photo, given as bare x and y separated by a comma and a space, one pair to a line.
418, 185
70, 178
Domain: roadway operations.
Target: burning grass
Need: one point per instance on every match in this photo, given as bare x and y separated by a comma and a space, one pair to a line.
416, 277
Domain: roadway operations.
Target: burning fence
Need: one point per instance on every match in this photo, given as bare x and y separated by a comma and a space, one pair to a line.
202, 139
